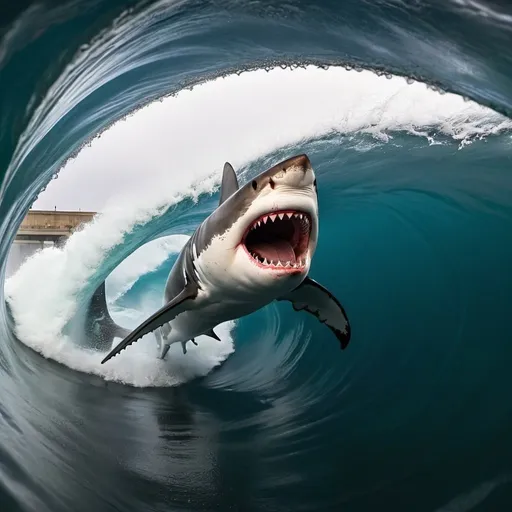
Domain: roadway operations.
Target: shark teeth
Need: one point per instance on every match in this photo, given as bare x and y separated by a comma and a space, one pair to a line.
272, 217
279, 263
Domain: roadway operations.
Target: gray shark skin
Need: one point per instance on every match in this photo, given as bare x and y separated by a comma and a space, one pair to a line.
256, 247
99, 327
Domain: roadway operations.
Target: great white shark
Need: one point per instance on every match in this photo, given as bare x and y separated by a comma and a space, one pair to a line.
256, 247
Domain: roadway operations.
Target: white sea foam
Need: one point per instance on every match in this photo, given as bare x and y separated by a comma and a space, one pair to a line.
57, 288
148, 162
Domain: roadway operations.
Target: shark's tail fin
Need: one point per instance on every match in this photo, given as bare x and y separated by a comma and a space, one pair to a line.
99, 327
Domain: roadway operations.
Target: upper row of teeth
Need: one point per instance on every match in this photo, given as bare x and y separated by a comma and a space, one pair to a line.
274, 216
279, 263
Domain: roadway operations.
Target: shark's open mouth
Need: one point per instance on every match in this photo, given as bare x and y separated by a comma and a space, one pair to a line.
279, 239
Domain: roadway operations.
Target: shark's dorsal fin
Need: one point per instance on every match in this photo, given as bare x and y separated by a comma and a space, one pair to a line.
229, 183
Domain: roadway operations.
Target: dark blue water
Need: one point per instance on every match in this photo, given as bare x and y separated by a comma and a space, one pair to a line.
415, 239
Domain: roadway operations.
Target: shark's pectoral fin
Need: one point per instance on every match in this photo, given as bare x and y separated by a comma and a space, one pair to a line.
312, 297
164, 315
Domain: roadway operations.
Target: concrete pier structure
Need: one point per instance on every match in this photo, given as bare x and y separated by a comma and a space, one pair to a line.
40, 229
41, 226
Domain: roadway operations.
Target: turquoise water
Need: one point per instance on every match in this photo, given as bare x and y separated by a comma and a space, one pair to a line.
415, 240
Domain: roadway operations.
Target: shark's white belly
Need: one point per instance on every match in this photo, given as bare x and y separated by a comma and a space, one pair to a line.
205, 315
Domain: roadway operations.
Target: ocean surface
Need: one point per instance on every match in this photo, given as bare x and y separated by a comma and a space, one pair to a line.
404, 111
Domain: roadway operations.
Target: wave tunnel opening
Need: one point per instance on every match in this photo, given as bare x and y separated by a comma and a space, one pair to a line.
133, 109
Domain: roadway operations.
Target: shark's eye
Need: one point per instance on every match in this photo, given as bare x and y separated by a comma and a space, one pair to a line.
254, 184
271, 182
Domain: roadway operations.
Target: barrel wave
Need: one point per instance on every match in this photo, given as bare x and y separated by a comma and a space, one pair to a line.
404, 112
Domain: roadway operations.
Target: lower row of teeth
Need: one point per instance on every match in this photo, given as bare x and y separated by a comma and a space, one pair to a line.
278, 263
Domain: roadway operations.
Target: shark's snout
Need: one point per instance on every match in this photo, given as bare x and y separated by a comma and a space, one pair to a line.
299, 161
294, 172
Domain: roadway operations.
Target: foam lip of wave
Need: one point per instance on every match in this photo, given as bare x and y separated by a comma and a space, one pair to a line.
331, 100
